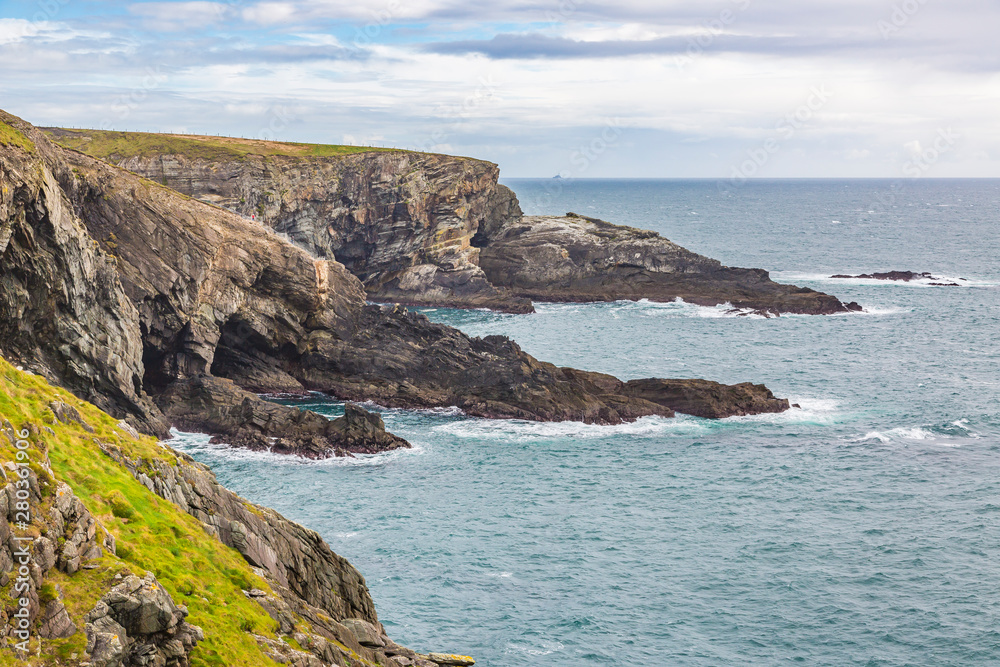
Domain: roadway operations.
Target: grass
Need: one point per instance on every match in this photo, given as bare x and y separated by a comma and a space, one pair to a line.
11, 136
117, 146
152, 534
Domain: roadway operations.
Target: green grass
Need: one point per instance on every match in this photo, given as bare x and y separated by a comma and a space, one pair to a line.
117, 146
11, 136
153, 534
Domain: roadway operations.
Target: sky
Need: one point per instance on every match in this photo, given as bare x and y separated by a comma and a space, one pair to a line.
722, 89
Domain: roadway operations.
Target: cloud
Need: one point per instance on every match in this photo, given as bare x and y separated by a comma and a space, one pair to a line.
692, 87
175, 16
525, 46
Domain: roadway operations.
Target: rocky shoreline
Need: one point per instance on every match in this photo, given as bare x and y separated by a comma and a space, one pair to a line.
181, 312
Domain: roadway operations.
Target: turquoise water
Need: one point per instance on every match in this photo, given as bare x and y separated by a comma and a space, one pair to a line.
861, 529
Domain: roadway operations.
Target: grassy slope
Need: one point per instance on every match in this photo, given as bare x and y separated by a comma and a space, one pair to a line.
10, 136
195, 568
114, 146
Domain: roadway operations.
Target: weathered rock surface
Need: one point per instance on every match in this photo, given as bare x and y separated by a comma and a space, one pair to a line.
315, 597
215, 297
137, 623
422, 229
219, 407
575, 258
712, 400
65, 312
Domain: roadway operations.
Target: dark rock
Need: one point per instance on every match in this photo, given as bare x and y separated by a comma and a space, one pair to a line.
55, 622
712, 400
223, 308
579, 259
137, 623
63, 313
402, 222
237, 417
895, 276
67, 414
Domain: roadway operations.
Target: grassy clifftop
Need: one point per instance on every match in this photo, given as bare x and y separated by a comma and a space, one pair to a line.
116, 146
152, 534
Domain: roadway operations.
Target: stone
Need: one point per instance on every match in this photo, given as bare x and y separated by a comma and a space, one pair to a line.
67, 414
367, 634
450, 660
55, 622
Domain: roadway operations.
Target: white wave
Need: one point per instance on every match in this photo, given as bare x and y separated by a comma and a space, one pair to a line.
908, 434
199, 443
810, 411
676, 308
520, 431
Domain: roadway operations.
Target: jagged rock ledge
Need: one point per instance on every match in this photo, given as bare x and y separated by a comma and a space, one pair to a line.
579, 259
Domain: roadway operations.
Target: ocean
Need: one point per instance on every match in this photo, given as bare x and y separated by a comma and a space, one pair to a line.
860, 529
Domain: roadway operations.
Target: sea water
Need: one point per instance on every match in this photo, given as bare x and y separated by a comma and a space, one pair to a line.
862, 528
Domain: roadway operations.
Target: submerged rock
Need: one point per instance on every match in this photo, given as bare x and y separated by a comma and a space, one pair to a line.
900, 276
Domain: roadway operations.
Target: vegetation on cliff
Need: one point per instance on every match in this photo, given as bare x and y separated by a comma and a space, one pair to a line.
113, 146
150, 533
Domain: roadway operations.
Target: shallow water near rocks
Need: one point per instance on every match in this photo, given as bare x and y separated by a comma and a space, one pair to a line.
861, 529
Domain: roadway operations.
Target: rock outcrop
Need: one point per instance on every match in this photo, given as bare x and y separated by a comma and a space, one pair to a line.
575, 258
711, 400
137, 623
115, 331
46, 529
63, 312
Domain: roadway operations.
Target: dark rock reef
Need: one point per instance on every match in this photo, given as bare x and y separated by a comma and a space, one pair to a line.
421, 229
901, 276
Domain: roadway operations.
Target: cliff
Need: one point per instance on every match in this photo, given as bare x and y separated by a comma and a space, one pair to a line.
134, 555
421, 229
401, 221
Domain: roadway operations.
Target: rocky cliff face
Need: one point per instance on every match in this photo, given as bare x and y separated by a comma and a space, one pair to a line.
575, 258
116, 331
63, 312
401, 222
